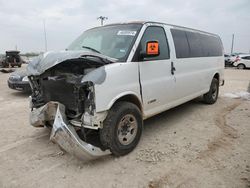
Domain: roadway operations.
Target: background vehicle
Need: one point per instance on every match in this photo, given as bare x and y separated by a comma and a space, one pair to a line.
242, 61
12, 58
228, 61
19, 81
233, 57
1, 60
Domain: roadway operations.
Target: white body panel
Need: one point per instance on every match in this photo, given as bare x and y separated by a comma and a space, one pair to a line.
245, 62
160, 90
121, 79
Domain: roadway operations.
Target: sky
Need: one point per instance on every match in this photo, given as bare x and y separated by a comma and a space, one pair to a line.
21, 22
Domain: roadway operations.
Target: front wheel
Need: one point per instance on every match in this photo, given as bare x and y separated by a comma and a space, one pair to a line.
122, 128
241, 66
211, 96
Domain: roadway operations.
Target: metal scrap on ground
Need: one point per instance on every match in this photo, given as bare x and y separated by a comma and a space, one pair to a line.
7, 70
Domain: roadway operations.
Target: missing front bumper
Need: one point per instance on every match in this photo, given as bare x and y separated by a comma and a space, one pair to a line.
63, 133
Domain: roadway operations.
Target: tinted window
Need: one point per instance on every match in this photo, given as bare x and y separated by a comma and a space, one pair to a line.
246, 57
205, 45
155, 34
181, 43
194, 44
211, 45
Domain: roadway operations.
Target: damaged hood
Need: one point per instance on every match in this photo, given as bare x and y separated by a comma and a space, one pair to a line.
50, 59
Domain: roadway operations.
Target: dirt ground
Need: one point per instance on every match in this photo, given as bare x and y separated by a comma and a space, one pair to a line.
193, 145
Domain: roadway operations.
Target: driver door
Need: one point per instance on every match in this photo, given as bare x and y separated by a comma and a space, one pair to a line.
157, 82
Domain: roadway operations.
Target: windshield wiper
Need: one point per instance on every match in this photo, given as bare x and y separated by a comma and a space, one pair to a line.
87, 47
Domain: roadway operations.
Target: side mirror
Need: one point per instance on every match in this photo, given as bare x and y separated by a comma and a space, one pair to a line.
152, 49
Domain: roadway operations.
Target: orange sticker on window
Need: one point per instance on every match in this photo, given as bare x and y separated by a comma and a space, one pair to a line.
152, 48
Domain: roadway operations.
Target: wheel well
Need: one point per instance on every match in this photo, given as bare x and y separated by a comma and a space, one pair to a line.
241, 64
217, 76
131, 98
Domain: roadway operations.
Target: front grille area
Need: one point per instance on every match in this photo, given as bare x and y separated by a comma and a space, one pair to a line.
65, 93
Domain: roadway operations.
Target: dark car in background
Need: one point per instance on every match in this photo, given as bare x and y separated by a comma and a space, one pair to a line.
12, 58
19, 81
228, 62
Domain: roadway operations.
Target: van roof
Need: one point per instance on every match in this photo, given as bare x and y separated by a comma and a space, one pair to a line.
176, 26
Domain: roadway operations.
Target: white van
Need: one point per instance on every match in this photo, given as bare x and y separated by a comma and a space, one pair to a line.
96, 94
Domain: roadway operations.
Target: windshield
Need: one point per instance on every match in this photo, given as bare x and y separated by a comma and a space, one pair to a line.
114, 41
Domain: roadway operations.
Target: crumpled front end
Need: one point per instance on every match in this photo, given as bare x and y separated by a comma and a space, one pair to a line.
63, 97
63, 133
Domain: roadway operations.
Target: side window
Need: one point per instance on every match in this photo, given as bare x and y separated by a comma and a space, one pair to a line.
246, 57
194, 44
181, 43
211, 45
155, 33
205, 45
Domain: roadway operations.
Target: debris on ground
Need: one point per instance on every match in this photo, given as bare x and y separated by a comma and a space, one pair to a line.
238, 95
7, 70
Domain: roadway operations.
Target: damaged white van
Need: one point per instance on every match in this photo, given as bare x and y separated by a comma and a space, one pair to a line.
96, 94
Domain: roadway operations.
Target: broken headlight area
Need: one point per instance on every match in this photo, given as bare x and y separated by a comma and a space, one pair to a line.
63, 84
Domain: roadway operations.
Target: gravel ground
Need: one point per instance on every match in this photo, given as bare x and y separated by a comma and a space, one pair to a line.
193, 145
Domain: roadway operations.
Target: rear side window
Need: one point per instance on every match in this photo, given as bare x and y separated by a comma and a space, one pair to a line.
193, 44
211, 45
155, 33
181, 43
194, 40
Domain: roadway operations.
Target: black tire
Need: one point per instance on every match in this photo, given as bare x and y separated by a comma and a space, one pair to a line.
212, 95
111, 133
241, 66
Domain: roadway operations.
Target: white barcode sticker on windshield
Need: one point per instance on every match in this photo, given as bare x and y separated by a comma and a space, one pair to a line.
125, 32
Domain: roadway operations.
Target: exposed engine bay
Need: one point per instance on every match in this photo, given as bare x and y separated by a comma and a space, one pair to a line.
64, 83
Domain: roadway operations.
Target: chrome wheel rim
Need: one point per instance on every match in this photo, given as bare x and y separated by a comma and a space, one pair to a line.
214, 92
127, 129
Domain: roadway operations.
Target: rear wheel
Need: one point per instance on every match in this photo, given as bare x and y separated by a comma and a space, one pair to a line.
122, 128
211, 96
241, 66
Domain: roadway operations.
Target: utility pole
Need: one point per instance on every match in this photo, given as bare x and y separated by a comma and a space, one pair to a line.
102, 18
45, 35
232, 47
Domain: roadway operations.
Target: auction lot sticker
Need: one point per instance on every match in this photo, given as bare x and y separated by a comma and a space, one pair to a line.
125, 32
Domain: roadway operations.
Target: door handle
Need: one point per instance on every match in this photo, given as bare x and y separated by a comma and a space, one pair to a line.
172, 68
